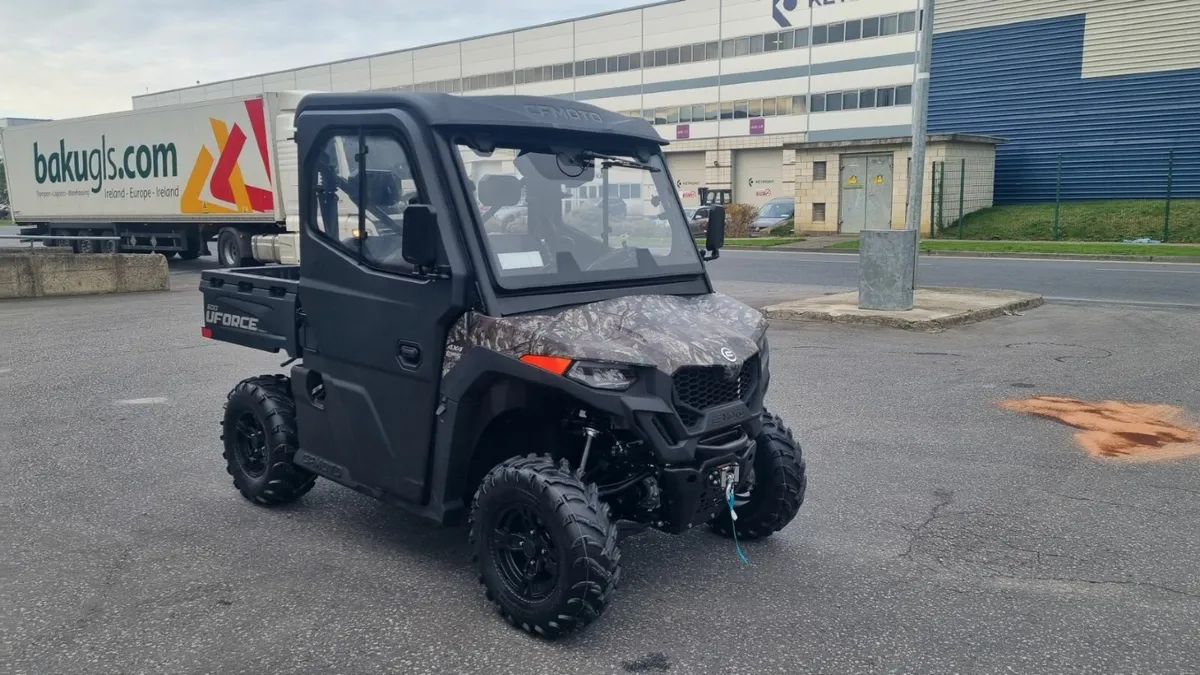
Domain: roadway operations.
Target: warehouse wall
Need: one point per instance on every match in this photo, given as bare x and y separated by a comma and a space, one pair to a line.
1113, 91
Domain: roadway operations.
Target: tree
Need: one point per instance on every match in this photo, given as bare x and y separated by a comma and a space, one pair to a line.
3, 184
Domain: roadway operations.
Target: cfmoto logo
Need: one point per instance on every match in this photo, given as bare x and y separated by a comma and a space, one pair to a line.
728, 354
788, 5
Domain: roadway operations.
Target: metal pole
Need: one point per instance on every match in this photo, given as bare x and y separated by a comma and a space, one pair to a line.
1057, 197
920, 105
887, 269
1170, 178
962, 192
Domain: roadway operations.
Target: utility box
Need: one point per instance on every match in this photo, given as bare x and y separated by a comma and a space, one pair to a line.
886, 261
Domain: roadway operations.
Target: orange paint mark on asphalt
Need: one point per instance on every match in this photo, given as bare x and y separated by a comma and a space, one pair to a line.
1117, 429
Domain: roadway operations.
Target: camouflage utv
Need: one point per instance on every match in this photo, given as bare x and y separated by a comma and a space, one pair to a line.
555, 382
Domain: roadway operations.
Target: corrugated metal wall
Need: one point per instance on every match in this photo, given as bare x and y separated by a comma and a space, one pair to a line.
1025, 81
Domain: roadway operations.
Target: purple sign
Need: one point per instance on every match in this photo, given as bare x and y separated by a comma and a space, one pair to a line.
758, 125
683, 131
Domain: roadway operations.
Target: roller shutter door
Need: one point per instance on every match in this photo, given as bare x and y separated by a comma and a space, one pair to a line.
687, 170
757, 176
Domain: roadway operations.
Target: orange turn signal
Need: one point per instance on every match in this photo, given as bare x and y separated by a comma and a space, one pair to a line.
555, 364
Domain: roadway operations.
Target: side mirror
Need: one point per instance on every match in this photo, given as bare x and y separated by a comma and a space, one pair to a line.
421, 239
497, 190
714, 238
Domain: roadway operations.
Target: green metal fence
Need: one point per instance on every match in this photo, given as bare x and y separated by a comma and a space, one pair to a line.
960, 201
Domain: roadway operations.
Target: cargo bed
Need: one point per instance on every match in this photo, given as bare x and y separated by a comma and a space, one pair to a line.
253, 306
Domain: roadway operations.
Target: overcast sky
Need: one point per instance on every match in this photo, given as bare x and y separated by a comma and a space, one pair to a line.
64, 58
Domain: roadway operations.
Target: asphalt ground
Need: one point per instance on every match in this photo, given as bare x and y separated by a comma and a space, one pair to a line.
941, 534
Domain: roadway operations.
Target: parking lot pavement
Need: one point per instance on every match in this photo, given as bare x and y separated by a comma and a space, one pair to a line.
941, 533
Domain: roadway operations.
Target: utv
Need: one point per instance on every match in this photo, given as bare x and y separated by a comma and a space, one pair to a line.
556, 382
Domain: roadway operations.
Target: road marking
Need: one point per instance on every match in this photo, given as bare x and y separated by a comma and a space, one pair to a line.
143, 401
1110, 269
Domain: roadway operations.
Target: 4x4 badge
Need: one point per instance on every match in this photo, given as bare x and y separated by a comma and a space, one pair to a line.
728, 354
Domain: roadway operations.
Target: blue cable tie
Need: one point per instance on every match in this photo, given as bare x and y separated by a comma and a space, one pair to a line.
733, 523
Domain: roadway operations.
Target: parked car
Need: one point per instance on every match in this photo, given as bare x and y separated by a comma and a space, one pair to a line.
4, 212
697, 219
773, 213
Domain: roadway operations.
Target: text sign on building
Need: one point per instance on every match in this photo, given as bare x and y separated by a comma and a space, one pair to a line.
683, 131
780, 9
758, 125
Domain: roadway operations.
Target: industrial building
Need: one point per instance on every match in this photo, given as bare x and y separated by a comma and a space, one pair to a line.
812, 100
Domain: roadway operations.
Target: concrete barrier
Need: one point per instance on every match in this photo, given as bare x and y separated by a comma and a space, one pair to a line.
49, 272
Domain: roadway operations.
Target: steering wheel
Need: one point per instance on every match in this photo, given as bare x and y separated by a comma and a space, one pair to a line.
613, 254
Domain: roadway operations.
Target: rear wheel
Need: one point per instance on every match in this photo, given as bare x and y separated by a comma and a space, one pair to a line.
544, 545
85, 246
777, 492
109, 245
231, 250
259, 433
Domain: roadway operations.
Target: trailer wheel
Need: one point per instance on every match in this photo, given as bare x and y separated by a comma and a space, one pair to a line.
231, 249
85, 246
110, 246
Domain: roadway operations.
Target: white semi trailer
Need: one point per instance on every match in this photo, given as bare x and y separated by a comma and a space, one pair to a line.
165, 180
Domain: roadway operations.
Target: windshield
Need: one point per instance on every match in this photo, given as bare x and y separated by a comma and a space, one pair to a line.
546, 221
776, 210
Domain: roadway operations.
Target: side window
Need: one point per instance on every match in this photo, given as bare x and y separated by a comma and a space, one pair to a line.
377, 167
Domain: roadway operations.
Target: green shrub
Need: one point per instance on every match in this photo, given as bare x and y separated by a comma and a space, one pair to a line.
785, 229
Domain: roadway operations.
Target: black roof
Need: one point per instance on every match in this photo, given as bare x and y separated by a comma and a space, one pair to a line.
514, 111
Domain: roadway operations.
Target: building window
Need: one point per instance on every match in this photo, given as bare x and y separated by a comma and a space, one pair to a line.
712, 111
818, 104
908, 22
660, 57
727, 49
818, 171
685, 54
888, 25
727, 110
698, 113
866, 98
569, 69
698, 52
837, 33
799, 105
756, 108
710, 50
870, 27
904, 95
672, 56
833, 102
818, 212
886, 97
850, 100
741, 46
853, 30
740, 110
787, 39
801, 37
783, 105
820, 35
623, 63
756, 44
768, 106
685, 114
771, 42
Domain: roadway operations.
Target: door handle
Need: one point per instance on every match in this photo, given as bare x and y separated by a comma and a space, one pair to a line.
409, 355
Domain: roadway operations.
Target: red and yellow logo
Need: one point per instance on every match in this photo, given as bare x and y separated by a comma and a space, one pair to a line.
227, 186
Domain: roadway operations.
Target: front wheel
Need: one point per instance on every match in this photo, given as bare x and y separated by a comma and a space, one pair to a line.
544, 545
259, 433
777, 492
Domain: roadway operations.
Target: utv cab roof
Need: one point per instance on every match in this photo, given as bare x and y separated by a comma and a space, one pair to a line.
512, 111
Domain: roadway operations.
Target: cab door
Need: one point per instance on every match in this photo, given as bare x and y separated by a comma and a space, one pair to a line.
374, 327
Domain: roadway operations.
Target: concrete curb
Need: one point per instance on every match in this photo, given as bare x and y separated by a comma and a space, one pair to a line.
784, 248
51, 273
1019, 302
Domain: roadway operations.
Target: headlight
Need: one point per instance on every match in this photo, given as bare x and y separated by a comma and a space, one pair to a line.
764, 351
602, 375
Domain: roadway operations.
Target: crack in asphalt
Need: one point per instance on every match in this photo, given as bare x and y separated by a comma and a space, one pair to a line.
945, 497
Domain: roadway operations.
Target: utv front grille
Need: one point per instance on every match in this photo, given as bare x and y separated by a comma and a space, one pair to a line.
699, 388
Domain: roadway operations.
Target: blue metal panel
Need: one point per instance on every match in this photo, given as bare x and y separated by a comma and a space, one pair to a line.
1024, 82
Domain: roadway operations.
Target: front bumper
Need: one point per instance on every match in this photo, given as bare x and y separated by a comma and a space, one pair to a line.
694, 495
